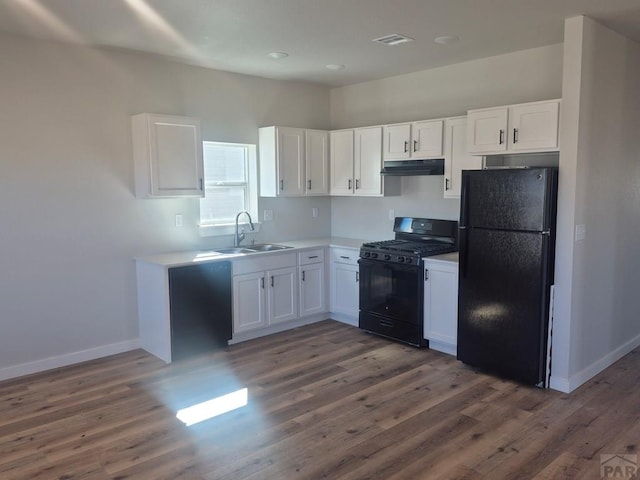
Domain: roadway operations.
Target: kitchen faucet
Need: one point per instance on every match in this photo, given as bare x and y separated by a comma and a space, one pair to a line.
240, 236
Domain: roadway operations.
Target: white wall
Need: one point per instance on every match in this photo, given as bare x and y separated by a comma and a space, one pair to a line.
524, 76
600, 188
70, 223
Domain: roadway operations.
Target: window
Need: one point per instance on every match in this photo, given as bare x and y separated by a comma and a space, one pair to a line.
230, 185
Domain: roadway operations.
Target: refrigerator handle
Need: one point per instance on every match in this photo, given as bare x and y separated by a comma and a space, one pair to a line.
462, 239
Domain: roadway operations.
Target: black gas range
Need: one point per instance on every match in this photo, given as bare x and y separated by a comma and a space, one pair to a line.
392, 278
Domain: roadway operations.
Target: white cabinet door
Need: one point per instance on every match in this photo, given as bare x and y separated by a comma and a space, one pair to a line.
534, 126
316, 162
426, 139
441, 305
167, 152
249, 302
368, 161
456, 156
345, 294
282, 297
341, 156
282, 161
290, 152
396, 142
487, 130
312, 295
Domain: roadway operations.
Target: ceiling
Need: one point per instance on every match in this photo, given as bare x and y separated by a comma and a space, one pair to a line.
238, 35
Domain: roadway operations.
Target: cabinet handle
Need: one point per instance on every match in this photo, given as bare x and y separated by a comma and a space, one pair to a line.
406, 146
201, 185
357, 277
426, 274
501, 136
272, 280
262, 282
415, 145
349, 184
446, 184
357, 183
281, 184
312, 256
309, 184
515, 135
346, 258
303, 275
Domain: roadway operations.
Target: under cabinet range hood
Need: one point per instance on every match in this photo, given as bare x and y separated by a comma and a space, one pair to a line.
413, 167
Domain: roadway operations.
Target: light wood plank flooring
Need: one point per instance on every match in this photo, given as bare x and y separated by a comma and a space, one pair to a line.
324, 401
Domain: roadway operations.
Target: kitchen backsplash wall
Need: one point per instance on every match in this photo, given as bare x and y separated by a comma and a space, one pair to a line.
370, 218
524, 76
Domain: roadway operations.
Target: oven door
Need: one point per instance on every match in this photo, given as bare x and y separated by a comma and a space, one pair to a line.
391, 300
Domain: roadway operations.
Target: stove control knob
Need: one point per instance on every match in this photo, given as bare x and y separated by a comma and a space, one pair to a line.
367, 254
407, 260
387, 256
374, 255
401, 259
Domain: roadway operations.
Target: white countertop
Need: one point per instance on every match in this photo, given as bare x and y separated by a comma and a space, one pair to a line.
446, 257
176, 259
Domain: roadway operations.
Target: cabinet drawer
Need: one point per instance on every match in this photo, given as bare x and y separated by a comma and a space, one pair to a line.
311, 256
345, 255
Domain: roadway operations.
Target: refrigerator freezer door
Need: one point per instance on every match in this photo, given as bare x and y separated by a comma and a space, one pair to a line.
510, 199
503, 302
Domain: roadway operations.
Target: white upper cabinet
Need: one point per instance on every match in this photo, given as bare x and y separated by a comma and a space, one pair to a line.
316, 162
413, 140
534, 126
523, 128
356, 161
368, 161
282, 161
456, 156
167, 154
341, 155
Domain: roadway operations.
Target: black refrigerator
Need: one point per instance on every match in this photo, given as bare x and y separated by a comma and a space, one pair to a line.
507, 248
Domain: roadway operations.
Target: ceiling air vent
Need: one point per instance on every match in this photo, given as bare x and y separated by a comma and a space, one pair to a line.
393, 39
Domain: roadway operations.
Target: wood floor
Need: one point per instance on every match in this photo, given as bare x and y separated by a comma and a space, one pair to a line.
324, 401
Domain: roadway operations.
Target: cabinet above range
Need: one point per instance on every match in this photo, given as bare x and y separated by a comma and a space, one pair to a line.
418, 140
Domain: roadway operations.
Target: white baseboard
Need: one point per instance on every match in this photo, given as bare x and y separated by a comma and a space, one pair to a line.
353, 321
569, 385
67, 359
262, 332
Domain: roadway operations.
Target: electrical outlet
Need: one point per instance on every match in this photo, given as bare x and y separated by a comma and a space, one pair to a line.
267, 215
392, 214
178, 220
314, 212
581, 231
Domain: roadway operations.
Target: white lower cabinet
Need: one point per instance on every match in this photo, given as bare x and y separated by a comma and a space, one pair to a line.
345, 286
312, 280
264, 294
441, 305
249, 307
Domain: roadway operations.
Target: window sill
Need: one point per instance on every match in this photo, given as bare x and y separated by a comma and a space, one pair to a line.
227, 229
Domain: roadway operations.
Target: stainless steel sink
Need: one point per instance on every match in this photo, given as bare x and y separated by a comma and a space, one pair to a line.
267, 247
261, 247
234, 250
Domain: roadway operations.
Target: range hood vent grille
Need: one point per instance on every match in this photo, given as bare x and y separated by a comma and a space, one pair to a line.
413, 167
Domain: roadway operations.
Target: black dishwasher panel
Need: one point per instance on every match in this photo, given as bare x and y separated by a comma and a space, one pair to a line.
200, 308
